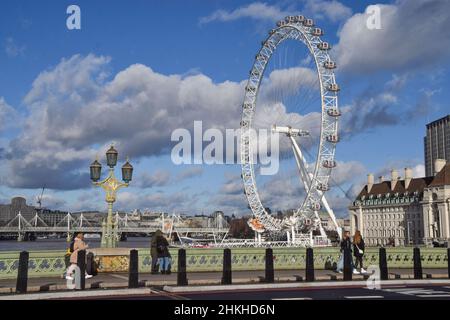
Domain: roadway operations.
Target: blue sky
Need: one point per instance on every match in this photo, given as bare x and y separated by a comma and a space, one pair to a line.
139, 69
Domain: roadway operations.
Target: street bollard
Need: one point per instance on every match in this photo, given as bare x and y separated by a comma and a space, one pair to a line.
269, 266
181, 275
417, 264
384, 274
226, 274
90, 264
81, 262
133, 270
448, 262
22, 273
309, 273
348, 268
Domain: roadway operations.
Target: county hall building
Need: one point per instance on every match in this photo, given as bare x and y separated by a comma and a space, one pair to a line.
401, 211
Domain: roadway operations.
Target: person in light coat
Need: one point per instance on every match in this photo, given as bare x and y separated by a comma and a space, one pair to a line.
78, 245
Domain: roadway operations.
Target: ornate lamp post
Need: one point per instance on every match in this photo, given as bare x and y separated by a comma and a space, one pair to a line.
110, 185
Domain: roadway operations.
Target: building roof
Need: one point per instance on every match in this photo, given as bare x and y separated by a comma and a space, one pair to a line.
442, 177
438, 121
416, 184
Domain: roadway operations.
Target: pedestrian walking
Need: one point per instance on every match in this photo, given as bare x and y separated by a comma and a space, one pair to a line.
78, 244
358, 250
154, 251
163, 254
346, 244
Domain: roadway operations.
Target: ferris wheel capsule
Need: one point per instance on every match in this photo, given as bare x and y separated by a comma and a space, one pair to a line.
317, 32
250, 88
315, 206
289, 19
333, 112
323, 187
329, 64
308, 22
333, 87
248, 106
300, 18
329, 164
324, 46
334, 138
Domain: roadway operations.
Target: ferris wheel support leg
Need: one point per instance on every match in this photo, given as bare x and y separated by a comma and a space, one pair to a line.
300, 164
332, 216
307, 182
322, 231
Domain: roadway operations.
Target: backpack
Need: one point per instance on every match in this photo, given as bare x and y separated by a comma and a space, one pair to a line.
71, 246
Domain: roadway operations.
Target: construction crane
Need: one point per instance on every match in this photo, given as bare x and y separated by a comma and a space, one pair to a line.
39, 199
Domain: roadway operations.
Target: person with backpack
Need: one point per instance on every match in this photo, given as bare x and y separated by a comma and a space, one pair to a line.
77, 245
68, 254
154, 252
163, 254
358, 250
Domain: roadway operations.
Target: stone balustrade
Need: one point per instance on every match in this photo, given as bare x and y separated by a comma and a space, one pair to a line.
51, 263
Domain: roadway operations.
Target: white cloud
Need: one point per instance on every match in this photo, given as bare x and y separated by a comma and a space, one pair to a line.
159, 178
77, 111
178, 202
418, 169
412, 36
8, 116
331, 10
13, 49
256, 10
80, 112
321, 9
285, 191
190, 172
379, 106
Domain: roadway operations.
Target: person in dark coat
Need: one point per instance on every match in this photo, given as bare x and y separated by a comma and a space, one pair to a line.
154, 251
346, 244
163, 254
358, 250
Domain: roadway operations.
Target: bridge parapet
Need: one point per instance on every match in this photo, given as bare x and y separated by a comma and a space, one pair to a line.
51, 263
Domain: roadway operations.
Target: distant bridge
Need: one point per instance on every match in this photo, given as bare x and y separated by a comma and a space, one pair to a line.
218, 229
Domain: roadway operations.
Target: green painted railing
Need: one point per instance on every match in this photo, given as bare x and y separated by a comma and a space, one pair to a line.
51, 263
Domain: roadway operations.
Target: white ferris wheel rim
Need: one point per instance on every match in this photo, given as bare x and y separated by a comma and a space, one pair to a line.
291, 28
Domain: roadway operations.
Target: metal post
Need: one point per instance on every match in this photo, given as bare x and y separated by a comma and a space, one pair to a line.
133, 270
181, 274
417, 264
309, 264
448, 262
81, 262
226, 274
22, 273
90, 264
384, 274
348, 268
409, 237
269, 266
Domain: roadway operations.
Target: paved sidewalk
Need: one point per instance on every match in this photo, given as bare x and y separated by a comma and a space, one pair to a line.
392, 289
120, 280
